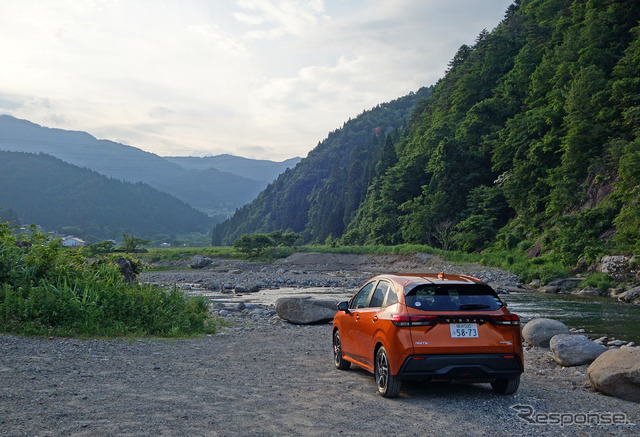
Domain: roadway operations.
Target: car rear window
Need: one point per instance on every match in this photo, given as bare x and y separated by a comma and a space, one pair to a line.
434, 297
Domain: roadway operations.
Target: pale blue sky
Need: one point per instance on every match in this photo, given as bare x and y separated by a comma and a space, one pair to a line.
257, 78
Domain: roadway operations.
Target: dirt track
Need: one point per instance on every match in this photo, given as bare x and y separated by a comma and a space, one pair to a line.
270, 381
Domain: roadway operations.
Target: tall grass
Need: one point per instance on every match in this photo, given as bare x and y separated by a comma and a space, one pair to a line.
46, 289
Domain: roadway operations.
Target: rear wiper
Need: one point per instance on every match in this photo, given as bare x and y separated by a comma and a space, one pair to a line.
473, 306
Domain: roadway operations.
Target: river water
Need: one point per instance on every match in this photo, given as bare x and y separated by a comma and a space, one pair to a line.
597, 315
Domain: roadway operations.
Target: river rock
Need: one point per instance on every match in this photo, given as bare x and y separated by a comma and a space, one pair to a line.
538, 332
210, 285
574, 350
589, 291
238, 306
126, 269
561, 285
617, 373
199, 262
630, 296
613, 263
617, 343
304, 310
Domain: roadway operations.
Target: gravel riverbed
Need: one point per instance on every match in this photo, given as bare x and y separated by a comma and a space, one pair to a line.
261, 376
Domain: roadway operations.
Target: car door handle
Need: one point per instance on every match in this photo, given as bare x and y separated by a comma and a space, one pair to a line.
357, 316
375, 319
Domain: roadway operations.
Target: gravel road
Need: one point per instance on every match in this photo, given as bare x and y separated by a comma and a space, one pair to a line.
264, 381
260, 378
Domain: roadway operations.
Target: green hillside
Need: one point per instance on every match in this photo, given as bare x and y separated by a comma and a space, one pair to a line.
46, 191
530, 143
320, 195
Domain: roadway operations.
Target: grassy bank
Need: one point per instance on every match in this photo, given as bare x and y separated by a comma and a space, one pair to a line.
46, 289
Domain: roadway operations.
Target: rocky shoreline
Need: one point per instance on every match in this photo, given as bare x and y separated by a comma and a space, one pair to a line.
244, 293
247, 291
310, 270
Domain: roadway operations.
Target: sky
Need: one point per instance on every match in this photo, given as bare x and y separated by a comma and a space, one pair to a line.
264, 79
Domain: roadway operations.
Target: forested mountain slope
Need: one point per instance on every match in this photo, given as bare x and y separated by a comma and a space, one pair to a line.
320, 195
46, 191
529, 141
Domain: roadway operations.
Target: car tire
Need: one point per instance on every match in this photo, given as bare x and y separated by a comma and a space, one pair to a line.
506, 386
338, 360
388, 384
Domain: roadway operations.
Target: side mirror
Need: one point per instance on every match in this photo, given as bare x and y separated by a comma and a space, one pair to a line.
343, 306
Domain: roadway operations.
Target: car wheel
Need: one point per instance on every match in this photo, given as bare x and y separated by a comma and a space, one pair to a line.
388, 385
506, 386
340, 362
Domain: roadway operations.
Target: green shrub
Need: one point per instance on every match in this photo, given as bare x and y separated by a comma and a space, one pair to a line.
46, 289
601, 281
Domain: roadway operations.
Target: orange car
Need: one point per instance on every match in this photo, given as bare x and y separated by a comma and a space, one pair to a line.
429, 327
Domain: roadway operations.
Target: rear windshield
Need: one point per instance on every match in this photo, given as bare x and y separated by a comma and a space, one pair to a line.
432, 297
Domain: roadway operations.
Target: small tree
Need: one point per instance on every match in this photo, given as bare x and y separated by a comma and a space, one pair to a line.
96, 248
253, 244
444, 233
289, 239
131, 243
284, 239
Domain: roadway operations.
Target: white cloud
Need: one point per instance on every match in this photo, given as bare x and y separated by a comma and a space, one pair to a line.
284, 17
263, 78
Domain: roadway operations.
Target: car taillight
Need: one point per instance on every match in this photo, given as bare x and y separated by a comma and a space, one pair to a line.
505, 319
401, 319
404, 320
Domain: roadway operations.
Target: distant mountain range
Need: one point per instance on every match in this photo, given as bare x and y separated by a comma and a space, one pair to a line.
196, 181
260, 170
61, 197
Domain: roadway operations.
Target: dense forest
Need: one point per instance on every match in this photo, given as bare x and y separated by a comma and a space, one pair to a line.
320, 196
46, 191
529, 142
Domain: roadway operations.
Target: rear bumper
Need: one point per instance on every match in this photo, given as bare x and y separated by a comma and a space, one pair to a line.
460, 366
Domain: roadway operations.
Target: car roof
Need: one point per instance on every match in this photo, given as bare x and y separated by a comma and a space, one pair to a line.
407, 279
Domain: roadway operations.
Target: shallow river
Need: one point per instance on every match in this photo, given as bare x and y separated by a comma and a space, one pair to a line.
602, 315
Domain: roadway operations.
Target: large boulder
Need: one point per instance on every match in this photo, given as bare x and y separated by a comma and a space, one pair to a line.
617, 373
561, 285
126, 269
574, 350
630, 296
613, 264
199, 262
247, 288
538, 332
304, 310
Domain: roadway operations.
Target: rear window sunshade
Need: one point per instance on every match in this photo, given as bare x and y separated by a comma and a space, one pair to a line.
454, 297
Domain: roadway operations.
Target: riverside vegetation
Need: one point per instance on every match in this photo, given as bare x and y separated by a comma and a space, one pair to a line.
47, 289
